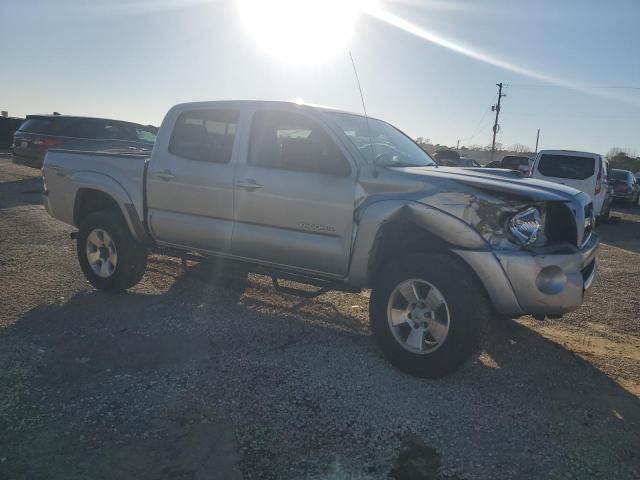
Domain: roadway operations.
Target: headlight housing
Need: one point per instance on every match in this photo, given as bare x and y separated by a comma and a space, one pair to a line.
525, 226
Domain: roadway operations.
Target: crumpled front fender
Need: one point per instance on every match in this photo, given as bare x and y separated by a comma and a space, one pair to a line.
371, 218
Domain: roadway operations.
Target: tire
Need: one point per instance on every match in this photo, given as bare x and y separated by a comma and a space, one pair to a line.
466, 308
130, 256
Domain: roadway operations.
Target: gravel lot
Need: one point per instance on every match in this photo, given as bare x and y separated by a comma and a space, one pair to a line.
180, 379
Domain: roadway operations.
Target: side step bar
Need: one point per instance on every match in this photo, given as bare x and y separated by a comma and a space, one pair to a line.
324, 286
299, 292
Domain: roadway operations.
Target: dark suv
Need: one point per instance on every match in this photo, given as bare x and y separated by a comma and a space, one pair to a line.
517, 162
625, 187
38, 133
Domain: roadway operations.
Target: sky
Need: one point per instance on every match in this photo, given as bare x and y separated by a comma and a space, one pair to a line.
429, 67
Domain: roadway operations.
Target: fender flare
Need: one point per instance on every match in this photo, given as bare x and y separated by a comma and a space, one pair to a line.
370, 220
86, 180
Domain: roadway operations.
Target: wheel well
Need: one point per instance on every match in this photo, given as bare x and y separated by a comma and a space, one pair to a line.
89, 201
397, 239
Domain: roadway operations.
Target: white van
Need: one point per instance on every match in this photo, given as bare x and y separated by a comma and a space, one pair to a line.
582, 170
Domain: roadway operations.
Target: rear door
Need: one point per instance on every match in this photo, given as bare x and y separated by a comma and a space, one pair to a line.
190, 180
294, 195
576, 171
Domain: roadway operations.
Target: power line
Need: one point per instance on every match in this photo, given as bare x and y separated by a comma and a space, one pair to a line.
598, 87
573, 115
478, 128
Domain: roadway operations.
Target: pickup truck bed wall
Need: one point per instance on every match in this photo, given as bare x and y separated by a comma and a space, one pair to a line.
74, 173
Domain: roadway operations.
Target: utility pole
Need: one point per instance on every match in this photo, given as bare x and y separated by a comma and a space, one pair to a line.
496, 108
537, 140
458, 146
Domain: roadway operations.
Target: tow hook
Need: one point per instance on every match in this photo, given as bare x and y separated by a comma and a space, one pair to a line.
74, 235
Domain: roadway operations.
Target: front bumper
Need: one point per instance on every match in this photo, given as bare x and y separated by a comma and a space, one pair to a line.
548, 281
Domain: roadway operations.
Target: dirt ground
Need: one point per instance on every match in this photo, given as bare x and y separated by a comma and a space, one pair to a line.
181, 379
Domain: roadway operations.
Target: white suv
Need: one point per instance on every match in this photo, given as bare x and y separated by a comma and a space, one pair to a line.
582, 170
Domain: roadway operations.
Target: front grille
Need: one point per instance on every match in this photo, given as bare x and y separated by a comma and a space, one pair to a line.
589, 223
560, 224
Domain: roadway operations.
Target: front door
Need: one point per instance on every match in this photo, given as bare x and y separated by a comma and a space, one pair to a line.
190, 181
294, 196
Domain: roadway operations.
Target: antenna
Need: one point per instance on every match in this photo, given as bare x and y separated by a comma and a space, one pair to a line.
366, 117
355, 70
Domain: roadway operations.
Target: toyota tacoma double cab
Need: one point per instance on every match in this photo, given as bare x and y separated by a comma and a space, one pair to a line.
337, 201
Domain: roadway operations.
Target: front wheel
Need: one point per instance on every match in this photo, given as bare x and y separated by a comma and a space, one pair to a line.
110, 258
426, 313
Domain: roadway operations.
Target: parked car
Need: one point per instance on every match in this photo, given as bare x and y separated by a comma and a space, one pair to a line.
298, 193
516, 162
459, 162
585, 171
8, 126
442, 155
494, 164
38, 133
625, 186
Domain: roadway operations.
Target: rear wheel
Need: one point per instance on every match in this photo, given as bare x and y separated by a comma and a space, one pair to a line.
426, 313
110, 258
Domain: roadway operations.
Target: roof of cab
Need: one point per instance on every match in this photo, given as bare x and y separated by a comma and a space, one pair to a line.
262, 104
571, 153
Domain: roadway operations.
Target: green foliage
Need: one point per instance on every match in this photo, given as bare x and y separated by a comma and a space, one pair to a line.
625, 162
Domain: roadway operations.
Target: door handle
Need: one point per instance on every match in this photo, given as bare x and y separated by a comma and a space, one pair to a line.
165, 175
249, 184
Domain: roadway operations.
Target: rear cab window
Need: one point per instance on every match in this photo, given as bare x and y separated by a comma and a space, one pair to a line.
205, 135
567, 166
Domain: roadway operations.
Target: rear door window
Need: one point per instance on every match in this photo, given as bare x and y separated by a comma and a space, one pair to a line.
205, 135
567, 166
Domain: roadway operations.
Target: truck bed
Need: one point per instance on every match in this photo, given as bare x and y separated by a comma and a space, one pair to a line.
65, 172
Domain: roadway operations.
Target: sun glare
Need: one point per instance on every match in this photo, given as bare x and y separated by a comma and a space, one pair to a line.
302, 32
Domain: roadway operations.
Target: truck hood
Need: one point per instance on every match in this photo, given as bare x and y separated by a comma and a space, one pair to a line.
497, 180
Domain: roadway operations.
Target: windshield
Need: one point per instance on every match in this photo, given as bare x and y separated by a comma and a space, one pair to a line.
620, 175
380, 142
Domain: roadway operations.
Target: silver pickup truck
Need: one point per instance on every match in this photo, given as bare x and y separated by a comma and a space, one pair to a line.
338, 201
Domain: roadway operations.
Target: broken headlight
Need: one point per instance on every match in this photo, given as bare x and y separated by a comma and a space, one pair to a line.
525, 226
